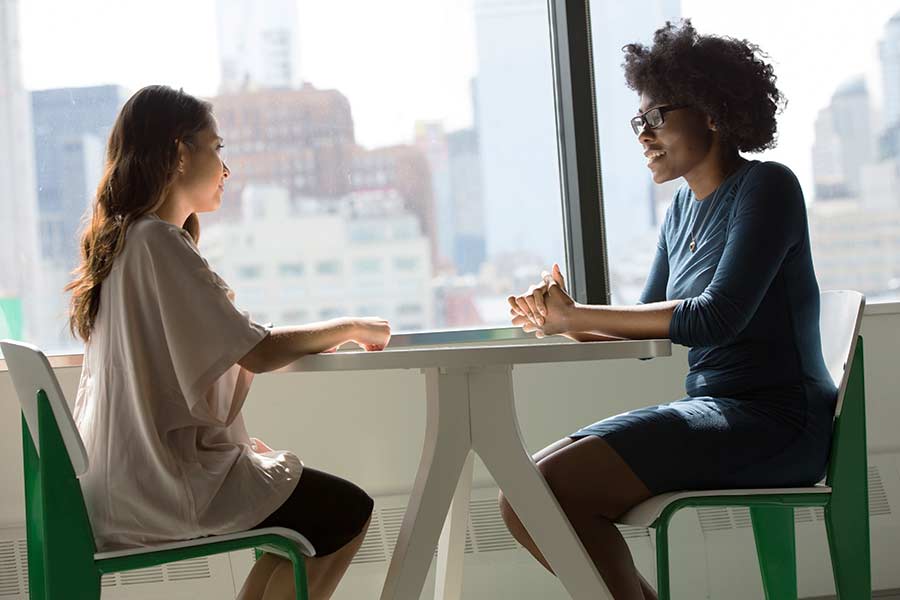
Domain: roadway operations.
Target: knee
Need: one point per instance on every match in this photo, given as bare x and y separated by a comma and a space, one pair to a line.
509, 516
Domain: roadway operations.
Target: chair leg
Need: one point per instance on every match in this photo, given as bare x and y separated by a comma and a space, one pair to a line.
300, 583
773, 530
662, 557
848, 540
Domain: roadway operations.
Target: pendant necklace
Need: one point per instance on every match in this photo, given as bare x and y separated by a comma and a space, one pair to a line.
694, 231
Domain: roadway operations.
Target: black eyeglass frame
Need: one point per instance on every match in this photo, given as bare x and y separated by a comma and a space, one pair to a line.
656, 113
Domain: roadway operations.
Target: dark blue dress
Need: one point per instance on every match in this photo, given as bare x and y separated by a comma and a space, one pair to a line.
760, 400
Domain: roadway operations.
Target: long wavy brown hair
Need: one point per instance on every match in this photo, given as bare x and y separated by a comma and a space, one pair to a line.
141, 165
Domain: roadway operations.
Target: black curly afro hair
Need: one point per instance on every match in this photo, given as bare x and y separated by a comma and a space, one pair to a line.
723, 77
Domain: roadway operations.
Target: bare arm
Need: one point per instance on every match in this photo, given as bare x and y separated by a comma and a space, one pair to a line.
643, 321
588, 336
284, 345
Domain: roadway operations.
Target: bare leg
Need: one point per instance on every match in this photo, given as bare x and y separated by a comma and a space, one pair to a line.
256, 581
567, 464
324, 573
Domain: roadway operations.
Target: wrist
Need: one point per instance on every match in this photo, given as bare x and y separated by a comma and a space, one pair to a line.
571, 318
348, 328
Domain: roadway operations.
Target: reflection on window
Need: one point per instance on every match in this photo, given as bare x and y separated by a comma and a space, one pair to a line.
405, 263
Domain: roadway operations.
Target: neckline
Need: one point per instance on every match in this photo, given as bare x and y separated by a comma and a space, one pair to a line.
725, 181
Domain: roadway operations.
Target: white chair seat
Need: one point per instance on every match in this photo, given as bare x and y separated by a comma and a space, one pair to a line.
305, 547
647, 512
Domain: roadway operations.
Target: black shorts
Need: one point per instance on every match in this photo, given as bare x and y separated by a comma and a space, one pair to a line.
326, 510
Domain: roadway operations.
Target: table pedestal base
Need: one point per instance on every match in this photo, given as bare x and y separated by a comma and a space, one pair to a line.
473, 410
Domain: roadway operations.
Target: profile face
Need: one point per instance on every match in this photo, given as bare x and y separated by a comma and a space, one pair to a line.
205, 172
678, 144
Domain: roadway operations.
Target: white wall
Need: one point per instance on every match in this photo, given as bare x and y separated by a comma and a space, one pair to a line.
369, 427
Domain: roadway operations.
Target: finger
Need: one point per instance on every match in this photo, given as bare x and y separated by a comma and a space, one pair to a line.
523, 307
539, 334
538, 298
532, 307
514, 304
522, 321
558, 276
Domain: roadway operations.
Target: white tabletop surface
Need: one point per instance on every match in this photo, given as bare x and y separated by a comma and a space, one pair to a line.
479, 355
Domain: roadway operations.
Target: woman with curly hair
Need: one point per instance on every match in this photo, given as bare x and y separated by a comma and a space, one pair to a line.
732, 279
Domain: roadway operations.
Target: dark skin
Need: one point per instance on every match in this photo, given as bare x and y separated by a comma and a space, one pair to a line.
690, 147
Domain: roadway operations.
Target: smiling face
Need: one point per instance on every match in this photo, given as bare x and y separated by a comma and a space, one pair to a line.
680, 145
202, 180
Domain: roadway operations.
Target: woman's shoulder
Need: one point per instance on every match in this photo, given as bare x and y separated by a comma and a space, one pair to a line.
150, 231
771, 172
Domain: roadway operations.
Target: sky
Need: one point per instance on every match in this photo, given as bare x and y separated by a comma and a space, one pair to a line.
399, 61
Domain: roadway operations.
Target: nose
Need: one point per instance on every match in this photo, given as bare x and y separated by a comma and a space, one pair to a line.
646, 135
225, 170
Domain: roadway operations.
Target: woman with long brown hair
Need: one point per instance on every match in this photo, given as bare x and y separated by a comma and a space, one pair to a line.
169, 360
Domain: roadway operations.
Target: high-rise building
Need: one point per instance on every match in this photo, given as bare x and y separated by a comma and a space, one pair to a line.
18, 203
466, 200
516, 118
889, 53
301, 140
844, 142
258, 44
71, 127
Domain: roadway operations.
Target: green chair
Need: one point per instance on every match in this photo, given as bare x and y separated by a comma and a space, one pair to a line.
844, 495
63, 562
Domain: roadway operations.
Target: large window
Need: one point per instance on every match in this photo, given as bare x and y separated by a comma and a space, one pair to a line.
398, 155
838, 64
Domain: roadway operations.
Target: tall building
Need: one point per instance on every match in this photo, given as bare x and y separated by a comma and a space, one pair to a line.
431, 139
258, 44
514, 110
889, 53
466, 200
301, 140
844, 141
71, 127
19, 282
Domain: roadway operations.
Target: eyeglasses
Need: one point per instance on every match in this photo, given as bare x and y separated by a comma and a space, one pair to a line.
653, 118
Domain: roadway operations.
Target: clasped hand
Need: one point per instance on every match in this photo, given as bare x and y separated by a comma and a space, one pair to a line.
546, 308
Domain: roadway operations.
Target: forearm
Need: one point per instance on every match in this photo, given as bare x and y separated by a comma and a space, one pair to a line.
589, 336
643, 321
284, 345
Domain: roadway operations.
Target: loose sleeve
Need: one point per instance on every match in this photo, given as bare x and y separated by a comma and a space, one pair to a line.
767, 222
205, 334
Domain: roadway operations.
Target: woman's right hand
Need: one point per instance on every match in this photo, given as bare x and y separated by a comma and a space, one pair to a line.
371, 333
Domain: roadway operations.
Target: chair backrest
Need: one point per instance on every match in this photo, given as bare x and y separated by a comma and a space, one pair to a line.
840, 317
60, 537
31, 372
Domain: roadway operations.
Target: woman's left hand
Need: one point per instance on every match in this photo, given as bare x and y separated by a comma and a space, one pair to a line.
545, 308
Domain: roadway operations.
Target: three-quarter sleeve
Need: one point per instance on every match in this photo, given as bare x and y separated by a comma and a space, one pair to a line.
204, 333
767, 222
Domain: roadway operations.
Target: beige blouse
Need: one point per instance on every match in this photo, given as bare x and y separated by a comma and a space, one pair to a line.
159, 401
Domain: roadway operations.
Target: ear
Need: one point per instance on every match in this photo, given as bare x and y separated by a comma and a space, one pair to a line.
711, 124
183, 155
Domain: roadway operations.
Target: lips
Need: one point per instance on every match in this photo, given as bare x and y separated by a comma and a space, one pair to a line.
653, 155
